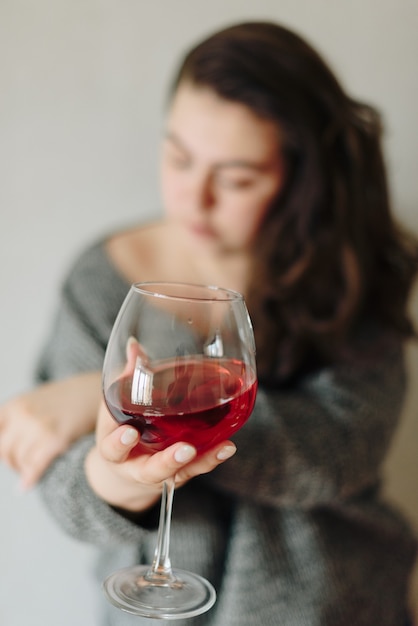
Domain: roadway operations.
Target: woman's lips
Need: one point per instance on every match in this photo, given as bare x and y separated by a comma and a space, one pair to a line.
202, 230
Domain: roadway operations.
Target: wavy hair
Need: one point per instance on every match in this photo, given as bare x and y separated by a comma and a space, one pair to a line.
329, 253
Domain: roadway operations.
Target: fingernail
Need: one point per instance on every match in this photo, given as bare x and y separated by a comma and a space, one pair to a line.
185, 453
129, 436
226, 452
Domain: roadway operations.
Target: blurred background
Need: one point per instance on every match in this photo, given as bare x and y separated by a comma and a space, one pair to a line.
82, 98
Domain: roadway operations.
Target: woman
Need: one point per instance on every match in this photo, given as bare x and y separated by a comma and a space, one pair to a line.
273, 184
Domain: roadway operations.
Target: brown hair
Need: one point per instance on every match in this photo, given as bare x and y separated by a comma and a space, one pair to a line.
331, 255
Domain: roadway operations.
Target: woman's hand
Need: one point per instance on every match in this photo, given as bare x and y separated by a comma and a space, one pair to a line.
39, 425
125, 474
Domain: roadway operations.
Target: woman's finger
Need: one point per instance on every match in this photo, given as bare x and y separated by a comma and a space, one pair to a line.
155, 468
180, 461
8, 444
205, 463
117, 445
33, 464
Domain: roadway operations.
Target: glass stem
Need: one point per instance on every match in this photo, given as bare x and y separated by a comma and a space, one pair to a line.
161, 572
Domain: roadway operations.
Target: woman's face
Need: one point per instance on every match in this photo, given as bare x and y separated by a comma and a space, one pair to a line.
221, 168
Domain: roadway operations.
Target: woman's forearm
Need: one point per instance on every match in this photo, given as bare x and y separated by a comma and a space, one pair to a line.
39, 425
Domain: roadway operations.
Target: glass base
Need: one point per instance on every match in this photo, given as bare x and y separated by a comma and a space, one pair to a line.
185, 595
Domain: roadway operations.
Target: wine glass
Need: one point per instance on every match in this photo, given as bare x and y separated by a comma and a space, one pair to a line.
179, 366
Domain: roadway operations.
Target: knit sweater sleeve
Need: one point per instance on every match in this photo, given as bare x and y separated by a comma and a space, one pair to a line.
91, 296
324, 440
77, 509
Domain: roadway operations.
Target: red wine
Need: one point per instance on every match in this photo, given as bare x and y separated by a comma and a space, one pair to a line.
200, 401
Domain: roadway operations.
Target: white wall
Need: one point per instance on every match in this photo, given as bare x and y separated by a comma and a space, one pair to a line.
81, 99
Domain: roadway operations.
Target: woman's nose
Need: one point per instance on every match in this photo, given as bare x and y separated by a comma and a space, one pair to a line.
201, 193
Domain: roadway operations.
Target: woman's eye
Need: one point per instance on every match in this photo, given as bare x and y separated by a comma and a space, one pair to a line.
180, 164
178, 161
235, 183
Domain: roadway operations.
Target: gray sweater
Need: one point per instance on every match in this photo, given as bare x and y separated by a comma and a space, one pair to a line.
291, 531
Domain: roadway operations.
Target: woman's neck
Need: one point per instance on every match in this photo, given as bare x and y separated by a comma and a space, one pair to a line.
159, 252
